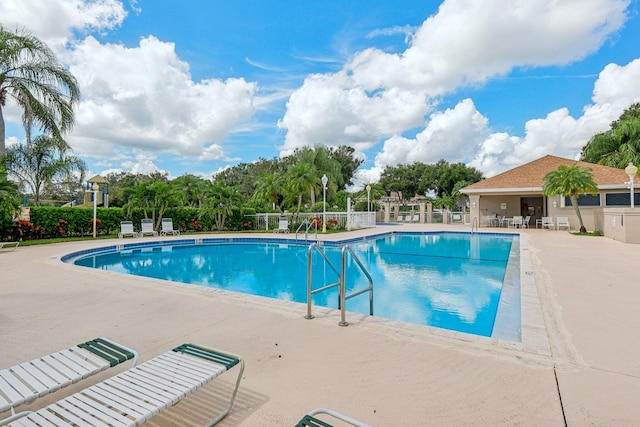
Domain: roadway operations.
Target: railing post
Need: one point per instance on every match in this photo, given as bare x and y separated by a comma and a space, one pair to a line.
342, 289
309, 272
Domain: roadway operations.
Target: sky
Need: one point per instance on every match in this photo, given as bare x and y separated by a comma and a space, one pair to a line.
199, 86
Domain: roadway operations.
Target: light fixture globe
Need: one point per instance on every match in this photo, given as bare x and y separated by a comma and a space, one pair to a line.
631, 170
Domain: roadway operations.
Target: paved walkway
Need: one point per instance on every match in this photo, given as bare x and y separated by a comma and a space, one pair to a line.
383, 373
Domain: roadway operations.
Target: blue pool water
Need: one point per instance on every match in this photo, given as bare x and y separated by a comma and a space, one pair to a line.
447, 280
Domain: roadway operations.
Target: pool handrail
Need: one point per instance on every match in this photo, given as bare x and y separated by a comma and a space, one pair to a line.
342, 290
309, 276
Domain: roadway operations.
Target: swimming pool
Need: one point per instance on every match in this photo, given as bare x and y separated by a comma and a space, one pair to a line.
448, 280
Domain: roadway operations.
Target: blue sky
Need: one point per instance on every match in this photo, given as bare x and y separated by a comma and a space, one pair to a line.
195, 87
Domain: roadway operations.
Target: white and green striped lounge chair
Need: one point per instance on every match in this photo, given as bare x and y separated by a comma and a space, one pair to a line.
126, 229
27, 381
9, 246
310, 419
167, 227
137, 394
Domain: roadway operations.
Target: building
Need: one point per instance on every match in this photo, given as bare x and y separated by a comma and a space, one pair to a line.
519, 192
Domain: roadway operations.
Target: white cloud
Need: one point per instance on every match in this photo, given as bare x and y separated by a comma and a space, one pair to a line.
560, 134
469, 42
380, 95
143, 97
454, 134
55, 21
324, 111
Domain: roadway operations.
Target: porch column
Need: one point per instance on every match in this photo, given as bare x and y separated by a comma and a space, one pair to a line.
429, 213
423, 212
387, 212
474, 210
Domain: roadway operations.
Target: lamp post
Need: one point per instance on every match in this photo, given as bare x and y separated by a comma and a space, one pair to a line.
95, 188
368, 188
631, 171
324, 203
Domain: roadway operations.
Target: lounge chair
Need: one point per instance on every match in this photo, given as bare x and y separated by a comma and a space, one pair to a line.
126, 229
146, 227
310, 420
283, 225
563, 221
9, 246
137, 394
547, 222
27, 381
167, 227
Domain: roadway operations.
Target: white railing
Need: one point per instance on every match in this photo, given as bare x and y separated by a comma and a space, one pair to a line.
351, 221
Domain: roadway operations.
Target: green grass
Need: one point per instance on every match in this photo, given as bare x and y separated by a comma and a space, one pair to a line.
588, 233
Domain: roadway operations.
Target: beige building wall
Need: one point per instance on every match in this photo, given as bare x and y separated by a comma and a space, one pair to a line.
622, 224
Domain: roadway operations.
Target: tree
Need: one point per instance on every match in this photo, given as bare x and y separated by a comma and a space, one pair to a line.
299, 180
9, 197
220, 202
191, 189
269, 188
443, 177
40, 163
619, 145
31, 75
153, 197
570, 181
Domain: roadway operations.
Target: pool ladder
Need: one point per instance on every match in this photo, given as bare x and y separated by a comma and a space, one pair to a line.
306, 231
342, 296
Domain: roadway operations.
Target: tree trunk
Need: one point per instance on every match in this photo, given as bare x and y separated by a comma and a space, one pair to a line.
574, 203
2, 134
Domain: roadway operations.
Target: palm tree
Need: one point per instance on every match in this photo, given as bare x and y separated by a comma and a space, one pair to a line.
31, 75
269, 187
619, 145
299, 180
153, 197
9, 197
41, 162
220, 202
191, 188
570, 181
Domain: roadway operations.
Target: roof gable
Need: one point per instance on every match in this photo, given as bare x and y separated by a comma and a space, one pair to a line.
531, 175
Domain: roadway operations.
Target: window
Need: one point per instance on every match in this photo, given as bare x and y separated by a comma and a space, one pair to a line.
586, 200
621, 199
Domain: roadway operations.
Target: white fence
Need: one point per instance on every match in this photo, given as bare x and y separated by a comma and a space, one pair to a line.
348, 221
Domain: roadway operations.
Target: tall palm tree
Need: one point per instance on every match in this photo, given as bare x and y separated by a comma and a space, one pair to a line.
9, 197
220, 202
619, 145
154, 198
269, 187
570, 181
31, 75
299, 180
40, 163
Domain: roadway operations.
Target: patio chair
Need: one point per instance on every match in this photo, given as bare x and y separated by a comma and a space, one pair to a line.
167, 227
146, 227
525, 222
139, 393
27, 381
283, 225
547, 222
126, 229
517, 221
310, 419
563, 221
9, 246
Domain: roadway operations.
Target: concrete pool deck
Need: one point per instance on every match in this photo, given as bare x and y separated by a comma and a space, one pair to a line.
381, 372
